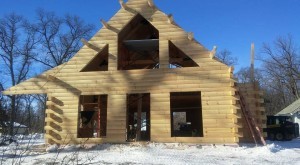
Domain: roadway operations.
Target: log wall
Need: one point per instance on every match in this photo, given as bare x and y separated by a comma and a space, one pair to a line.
254, 101
66, 83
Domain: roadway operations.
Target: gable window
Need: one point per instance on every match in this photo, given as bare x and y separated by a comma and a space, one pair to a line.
178, 59
186, 114
99, 62
92, 120
138, 45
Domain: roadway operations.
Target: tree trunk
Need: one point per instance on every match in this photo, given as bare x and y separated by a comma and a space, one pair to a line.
12, 115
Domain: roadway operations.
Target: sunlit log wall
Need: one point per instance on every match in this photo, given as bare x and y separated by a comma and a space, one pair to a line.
65, 84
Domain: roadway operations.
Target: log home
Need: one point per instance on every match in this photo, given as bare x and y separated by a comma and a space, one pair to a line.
140, 78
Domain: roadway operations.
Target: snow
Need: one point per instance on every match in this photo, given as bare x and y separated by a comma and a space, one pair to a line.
32, 151
16, 125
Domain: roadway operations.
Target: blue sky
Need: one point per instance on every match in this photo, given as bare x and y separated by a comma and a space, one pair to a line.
230, 24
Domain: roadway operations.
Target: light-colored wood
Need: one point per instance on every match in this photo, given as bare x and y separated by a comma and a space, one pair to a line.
66, 83
191, 36
254, 101
213, 52
252, 63
170, 19
151, 4
123, 5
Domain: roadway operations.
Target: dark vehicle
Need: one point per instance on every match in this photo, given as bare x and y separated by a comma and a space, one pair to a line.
281, 128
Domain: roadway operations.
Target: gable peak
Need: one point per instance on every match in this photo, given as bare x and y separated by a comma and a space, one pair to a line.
131, 2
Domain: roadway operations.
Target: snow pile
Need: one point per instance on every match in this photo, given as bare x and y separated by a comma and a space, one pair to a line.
274, 148
161, 153
52, 148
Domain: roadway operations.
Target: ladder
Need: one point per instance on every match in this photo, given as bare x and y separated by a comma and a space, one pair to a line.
250, 120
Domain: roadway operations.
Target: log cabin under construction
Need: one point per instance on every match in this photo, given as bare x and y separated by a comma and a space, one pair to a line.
143, 78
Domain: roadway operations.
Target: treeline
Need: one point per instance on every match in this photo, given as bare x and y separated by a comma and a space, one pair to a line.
278, 74
50, 40
26, 47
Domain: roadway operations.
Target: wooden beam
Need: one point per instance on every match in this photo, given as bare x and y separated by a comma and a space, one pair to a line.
213, 52
51, 78
139, 117
86, 43
252, 63
191, 36
105, 24
170, 19
123, 5
151, 3
230, 70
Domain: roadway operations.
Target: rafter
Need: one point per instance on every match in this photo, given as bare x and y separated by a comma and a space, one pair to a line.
151, 3
191, 36
123, 5
213, 52
170, 19
86, 43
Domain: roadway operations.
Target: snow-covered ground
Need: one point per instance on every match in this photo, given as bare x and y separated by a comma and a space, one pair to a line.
30, 151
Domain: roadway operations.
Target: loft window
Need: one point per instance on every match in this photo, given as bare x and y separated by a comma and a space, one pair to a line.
178, 59
99, 62
138, 45
92, 119
186, 114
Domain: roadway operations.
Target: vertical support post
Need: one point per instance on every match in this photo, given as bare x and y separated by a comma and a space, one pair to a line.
252, 78
98, 121
139, 117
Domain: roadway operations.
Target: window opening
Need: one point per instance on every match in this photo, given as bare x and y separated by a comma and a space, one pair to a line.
138, 46
186, 114
178, 59
92, 121
99, 62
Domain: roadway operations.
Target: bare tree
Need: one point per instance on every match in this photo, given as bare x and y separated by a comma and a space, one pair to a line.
281, 64
59, 40
244, 75
281, 70
225, 56
17, 43
59, 37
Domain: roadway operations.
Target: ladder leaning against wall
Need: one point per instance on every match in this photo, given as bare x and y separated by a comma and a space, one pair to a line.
252, 125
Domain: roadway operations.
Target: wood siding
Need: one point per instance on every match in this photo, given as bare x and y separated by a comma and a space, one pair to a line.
64, 85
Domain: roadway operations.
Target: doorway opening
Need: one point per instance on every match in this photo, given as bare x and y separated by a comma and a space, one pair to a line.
138, 117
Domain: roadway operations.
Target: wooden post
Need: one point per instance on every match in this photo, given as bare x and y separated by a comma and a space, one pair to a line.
252, 78
139, 117
98, 121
